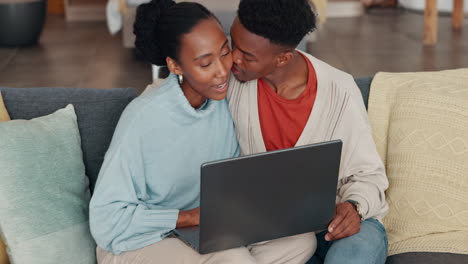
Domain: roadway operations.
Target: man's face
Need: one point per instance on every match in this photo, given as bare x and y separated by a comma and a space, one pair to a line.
254, 56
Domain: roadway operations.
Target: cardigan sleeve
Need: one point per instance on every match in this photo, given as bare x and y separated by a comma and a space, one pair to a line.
363, 178
120, 219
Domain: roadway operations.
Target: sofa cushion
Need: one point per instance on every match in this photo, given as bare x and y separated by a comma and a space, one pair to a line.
3, 254
364, 85
4, 116
420, 125
427, 258
44, 194
98, 111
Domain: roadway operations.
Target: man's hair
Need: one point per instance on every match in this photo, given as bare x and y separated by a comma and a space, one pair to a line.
283, 22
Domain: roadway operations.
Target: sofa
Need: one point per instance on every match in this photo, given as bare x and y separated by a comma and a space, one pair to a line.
98, 112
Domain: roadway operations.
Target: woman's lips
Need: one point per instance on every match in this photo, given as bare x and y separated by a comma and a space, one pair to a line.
221, 87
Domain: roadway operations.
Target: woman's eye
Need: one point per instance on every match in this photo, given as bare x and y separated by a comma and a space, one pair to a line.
205, 65
225, 54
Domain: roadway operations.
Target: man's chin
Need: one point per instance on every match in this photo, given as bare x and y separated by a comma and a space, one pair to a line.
239, 78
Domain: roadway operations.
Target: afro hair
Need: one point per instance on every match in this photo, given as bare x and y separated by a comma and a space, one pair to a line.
283, 22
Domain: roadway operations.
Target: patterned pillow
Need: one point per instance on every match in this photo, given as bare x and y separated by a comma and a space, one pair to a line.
3, 254
3, 112
420, 125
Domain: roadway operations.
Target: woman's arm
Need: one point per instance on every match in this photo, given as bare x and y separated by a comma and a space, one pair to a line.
120, 219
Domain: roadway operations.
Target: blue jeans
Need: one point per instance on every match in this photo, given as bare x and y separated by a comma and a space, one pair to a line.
368, 246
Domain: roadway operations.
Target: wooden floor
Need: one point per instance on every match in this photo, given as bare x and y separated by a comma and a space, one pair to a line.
84, 54
389, 40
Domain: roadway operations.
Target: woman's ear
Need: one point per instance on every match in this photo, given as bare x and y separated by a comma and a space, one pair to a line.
173, 66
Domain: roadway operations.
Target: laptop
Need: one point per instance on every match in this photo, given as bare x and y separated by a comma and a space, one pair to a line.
265, 196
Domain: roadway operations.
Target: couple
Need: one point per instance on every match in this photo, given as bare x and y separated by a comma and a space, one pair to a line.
278, 97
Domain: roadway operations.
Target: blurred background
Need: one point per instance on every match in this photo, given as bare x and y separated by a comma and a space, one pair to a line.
89, 43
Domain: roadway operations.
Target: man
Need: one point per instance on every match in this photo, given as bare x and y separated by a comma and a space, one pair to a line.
281, 98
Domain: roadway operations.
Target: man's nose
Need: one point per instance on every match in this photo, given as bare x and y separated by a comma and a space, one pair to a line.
236, 56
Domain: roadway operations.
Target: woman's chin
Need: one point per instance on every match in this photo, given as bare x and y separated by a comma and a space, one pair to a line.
218, 96
219, 93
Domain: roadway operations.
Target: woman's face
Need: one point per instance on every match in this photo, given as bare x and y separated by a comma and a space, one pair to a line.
205, 62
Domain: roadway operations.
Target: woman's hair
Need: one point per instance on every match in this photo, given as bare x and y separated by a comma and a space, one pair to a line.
283, 22
160, 24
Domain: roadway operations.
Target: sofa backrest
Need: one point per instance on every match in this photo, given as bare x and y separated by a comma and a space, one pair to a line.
364, 85
97, 110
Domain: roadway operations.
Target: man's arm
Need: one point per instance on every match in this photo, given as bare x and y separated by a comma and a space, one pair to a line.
364, 180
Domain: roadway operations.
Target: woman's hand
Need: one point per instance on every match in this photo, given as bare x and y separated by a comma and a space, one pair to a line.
189, 218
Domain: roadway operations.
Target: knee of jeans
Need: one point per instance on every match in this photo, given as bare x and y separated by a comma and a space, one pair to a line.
357, 251
367, 246
372, 245
376, 234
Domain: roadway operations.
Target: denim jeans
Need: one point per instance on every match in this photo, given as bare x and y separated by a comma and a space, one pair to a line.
369, 246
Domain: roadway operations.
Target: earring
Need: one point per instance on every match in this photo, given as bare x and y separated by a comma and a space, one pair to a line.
180, 78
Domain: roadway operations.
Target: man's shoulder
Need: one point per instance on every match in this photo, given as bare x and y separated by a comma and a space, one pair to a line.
328, 71
235, 87
330, 76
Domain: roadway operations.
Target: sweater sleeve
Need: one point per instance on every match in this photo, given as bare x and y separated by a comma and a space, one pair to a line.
120, 220
364, 178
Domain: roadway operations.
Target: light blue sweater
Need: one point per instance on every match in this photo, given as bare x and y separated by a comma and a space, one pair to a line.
152, 167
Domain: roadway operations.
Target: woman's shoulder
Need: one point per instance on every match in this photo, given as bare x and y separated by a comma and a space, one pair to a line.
154, 97
145, 111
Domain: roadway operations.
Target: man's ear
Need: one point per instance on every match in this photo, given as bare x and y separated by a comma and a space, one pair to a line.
173, 66
284, 58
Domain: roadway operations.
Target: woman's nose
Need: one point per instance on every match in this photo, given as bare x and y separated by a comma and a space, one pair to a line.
223, 71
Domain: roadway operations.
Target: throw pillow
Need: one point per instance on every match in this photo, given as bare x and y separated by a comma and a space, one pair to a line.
3, 117
3, 254
420, 125
44, 194
3, 112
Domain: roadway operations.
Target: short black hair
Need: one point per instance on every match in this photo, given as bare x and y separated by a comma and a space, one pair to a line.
283, 22
160, 24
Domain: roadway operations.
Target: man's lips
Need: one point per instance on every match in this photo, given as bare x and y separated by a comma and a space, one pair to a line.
235, 69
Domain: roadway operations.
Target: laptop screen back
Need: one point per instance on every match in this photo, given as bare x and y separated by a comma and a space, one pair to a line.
266, 196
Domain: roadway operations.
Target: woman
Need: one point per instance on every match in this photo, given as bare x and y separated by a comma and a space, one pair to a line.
149, 183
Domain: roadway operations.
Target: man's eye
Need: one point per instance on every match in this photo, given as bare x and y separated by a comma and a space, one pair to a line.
205, 65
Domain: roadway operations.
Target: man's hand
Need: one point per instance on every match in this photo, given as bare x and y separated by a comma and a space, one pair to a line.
345, 223
188, 218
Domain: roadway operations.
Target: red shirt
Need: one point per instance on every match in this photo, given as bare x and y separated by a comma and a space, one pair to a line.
282, 121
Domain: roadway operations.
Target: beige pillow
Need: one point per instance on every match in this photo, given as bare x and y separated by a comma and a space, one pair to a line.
420, 125
3, 254
3, 112
3, 117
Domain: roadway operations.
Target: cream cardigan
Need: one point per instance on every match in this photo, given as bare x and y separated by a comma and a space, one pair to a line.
338, 113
